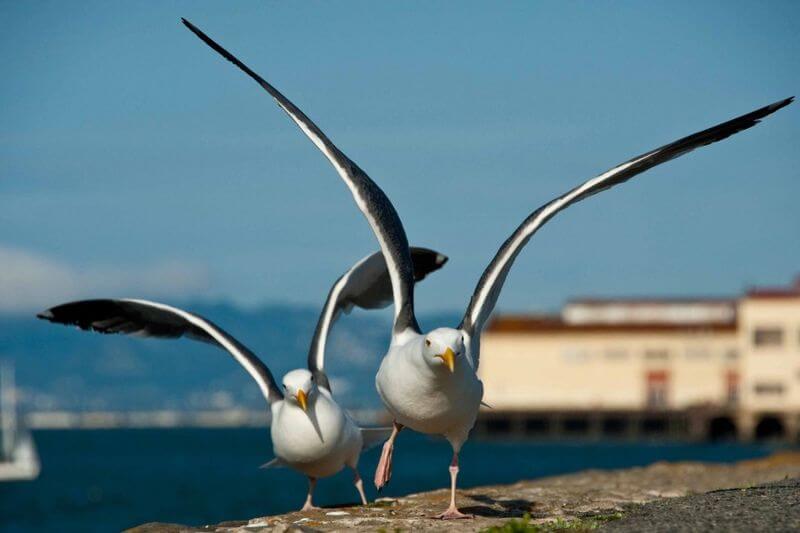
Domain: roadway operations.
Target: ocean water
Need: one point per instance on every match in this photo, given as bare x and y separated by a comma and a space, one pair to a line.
108, 480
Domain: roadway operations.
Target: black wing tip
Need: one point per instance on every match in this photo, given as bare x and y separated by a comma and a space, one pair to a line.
192, 28
782, 103
219, 49
426, 261
70, 313
438, 257
197, 31
733, 126
759, 114
708, 136
62, 314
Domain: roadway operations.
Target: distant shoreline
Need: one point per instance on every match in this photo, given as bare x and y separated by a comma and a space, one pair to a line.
233, 418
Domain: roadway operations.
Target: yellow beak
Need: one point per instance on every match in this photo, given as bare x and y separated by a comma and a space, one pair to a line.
449, 359
302, 399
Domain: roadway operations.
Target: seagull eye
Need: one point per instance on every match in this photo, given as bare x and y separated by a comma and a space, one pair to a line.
427, 342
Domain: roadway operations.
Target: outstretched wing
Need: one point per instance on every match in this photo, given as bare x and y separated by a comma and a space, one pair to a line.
366, 285
149, 319
491, 282
371, 200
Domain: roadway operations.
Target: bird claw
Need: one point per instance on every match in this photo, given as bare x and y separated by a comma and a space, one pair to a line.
453, 514
308, 507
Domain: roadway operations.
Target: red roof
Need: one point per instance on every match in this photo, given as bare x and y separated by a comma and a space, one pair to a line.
792, 291
647, 300
554, 324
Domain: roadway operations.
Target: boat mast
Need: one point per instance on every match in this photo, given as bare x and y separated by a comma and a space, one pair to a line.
8, 407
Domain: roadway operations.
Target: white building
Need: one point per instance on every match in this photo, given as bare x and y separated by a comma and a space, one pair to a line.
736, 359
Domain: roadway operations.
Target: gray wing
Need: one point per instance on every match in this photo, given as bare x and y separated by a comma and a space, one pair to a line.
371, 200
149, 319
491, 282
366, 285
371, 437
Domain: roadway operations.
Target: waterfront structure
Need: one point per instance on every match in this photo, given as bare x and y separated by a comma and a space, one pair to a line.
706, 367
19, 460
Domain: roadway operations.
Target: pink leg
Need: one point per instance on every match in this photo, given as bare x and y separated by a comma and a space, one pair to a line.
384, 471
452, 512
359, 486
308, 506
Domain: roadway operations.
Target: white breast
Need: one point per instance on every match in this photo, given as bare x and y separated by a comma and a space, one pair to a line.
429, 400
318, 443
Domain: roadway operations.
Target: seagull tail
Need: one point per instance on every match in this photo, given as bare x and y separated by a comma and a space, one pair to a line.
374, 436
275, 463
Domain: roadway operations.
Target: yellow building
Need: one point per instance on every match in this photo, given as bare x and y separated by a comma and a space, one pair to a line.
702, 366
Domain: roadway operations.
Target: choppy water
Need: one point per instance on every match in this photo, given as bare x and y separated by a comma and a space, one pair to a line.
106, 480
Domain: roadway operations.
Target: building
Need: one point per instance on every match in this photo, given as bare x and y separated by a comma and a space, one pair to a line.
699, 367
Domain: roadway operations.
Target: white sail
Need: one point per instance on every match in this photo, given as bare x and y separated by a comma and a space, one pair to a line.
18, 457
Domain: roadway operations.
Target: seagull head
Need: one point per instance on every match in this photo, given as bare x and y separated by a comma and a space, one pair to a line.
299, 387
443, 347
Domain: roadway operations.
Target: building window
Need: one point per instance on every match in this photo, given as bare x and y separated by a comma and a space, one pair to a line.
616, 353
575, 355
769, 389
732, 387
657, 384
656, 355
767, 337
697, 352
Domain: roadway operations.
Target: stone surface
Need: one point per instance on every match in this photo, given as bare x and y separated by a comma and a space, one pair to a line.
769, 507
576, 497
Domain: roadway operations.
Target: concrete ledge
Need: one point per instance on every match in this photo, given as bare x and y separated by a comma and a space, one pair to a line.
592, 498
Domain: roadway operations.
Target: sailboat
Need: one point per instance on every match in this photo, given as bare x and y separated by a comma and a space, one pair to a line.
18, 458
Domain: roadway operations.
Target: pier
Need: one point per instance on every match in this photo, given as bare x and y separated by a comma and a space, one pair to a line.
698, 425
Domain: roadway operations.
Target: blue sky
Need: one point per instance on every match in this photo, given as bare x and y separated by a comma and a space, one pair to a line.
136, 162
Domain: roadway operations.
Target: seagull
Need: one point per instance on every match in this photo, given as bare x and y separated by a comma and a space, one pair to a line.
428, 381
310, 432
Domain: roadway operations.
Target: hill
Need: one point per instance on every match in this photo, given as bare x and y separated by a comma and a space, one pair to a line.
61, 368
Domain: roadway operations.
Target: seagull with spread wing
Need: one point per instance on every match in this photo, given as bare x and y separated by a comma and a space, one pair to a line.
310, 432
428, 381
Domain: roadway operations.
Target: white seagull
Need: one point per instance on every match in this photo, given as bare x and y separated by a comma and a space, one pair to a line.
310, 432
429, 382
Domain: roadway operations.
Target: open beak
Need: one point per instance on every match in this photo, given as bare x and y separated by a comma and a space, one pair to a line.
449, 359
302, 399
